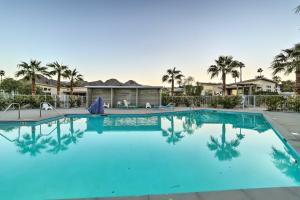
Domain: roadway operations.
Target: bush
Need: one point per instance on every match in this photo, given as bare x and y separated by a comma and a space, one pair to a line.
275, 103
230, 101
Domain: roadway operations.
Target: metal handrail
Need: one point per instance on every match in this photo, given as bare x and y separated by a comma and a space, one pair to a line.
19, 112
49, 105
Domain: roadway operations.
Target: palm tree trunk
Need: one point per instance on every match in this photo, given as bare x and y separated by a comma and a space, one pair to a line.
224, 83
58, 84
71, 88
241, 74
298, 81
33, 89
172, 89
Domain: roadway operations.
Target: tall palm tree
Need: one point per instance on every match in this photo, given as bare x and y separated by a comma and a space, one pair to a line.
260, 70
2, 73
171, 76
32, 143
224, 65
74, 77
288, 61
57, 69
235, 74
224, 150
241, 66
57, 144
32, 71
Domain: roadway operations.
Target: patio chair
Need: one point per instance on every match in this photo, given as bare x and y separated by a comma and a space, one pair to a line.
168, 106
46, 106
127, 104
106, 105
148, 105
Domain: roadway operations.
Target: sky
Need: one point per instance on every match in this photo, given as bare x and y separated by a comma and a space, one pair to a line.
140, 39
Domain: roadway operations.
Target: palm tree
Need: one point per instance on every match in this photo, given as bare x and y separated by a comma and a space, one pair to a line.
171, 76
172, 136
2, 73
32, 71
297, 10
286, 163
57, 144
74, 77
241, 66
288, 61
260, 70
32, 143
235, 74
57, 69
224, 150
224, 65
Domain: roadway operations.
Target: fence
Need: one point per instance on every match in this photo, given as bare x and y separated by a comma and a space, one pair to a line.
263, 102
29, 101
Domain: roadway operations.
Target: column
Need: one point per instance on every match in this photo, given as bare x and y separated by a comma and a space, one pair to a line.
136, 97
111, 97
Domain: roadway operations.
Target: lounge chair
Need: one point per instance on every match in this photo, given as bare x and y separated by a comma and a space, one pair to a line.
46, 106
148, 105
168, 106
128, 105
106, 105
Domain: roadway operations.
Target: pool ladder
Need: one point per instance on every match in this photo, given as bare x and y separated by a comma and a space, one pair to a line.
19, 109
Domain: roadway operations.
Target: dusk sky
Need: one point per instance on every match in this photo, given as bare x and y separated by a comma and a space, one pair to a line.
139, 40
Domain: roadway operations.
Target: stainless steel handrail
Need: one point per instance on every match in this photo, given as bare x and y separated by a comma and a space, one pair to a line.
49, 105
19, 112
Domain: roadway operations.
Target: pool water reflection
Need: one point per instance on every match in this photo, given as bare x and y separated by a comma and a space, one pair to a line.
85, 156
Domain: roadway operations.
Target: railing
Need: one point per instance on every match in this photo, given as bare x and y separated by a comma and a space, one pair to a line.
50, 106
19, 109
284, 103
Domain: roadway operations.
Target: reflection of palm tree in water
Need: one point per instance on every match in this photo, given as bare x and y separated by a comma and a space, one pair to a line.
286, 164
73, 136
188, 124
57, 144
32, 144
172, 136
225, 150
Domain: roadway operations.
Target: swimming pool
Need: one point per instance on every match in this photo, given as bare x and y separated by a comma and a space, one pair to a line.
120, 155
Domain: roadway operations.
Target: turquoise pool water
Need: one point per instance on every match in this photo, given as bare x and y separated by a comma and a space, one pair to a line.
84, 156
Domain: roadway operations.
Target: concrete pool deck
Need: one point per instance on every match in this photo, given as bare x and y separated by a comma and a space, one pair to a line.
288, 124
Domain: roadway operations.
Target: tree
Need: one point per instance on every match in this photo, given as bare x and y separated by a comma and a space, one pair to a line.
189, 80
10, 85
224, 65
74, 77
31, 72
171, 76
297, 10
259, 70
288, 86
235, 74
224, 150
59, 70
288, 61
2, 73
277, 79
241, 66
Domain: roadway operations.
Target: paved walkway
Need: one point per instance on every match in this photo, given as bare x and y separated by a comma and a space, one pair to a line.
288, 124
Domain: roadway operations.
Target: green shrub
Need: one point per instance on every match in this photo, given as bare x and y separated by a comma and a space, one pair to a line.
230, 101
275, 103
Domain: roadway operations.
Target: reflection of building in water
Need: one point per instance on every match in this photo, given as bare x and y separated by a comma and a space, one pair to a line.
116, 123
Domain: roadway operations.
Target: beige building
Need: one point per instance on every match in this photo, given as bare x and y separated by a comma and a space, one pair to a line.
249, 87
114, 92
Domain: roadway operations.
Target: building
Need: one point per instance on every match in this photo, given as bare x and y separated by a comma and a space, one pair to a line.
48, 86
249, 87
211, 89
113, 91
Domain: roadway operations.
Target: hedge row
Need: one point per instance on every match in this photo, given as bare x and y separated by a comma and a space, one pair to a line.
211, 101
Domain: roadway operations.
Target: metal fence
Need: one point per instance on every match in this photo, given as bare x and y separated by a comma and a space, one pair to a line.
289, 103
29, 101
